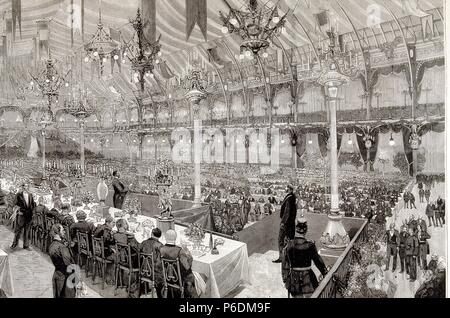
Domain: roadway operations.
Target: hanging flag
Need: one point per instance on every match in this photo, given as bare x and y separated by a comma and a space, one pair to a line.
165, 70
16, 16
196, 13
43, 39
149, 16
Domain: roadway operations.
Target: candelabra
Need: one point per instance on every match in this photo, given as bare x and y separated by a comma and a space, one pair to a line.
256, 26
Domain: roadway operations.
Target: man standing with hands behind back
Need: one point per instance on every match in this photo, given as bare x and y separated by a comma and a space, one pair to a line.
25, 205
288, 215
120, 191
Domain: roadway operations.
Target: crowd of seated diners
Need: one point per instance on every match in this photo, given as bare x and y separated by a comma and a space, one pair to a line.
113, 244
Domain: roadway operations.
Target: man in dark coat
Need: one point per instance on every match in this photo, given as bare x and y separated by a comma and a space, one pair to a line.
430, 214
152, 246
412, 252
393, 242
402, 248
25, 205
406, 199
298, 255
288, 214
412, 200
120, 191
63, 286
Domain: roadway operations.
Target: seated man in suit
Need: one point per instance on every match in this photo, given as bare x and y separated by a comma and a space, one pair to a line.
80, 226
152, 246
171, 251
124, 237
105, 231
64, 218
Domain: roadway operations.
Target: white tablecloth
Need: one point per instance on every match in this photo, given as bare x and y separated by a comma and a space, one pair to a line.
225, 272
6, 281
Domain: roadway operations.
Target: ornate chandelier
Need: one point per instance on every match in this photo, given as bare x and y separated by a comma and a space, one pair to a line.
336, 63
142, 53
256, 26
80, 105
197, 83
49, 81
101, 47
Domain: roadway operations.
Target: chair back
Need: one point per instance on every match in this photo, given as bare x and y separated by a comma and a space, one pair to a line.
83, 243
40, 220
67, 231
124, 257
49, 222
172, 274
147, 268
98, 247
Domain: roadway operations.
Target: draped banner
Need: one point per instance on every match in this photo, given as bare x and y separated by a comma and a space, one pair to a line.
196, 13
149, 15
323, 140
301, 148
16, 16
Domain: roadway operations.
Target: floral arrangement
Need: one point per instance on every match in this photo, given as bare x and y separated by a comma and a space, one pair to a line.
366, 276
87, 197
195, 233
132, 205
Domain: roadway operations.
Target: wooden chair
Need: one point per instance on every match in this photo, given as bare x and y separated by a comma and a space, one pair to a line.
172, 276
67, 231
147, 272
84, 249
99, 260
124, 263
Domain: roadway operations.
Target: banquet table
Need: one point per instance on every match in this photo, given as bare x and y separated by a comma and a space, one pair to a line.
225, 271
6, 281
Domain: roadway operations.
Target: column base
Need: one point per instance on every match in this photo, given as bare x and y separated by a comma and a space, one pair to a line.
335, 236
197, 203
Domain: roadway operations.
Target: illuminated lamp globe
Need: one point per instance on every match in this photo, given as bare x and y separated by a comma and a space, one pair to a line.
116, 57
224, 30
95, 53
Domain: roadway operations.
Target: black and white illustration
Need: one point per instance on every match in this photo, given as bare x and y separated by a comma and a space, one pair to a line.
222, 149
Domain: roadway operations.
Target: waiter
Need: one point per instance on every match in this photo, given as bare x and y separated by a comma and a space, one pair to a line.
120, 191
25, 205
288, 214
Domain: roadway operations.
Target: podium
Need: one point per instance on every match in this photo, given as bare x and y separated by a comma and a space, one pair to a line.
165, 223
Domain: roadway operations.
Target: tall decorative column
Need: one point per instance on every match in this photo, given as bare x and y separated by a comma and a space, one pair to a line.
335, 235
82, 157
196, 93
46, 122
